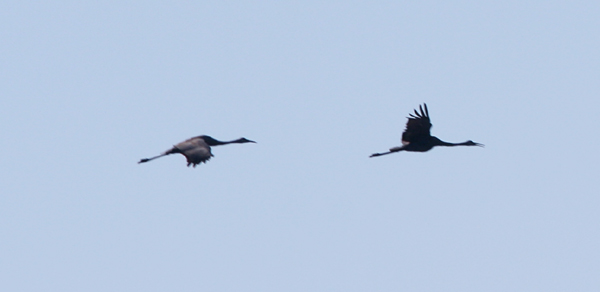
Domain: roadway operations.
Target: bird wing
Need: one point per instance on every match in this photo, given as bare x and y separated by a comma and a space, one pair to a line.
195, 150
418, 126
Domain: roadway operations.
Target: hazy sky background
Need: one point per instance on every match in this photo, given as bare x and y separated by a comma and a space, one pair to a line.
89, 88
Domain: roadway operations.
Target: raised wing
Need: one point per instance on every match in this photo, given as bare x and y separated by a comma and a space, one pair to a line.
417, 127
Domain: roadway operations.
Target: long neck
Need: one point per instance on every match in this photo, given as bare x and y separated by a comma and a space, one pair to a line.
214, 142
240, 140
217, 142
448, 144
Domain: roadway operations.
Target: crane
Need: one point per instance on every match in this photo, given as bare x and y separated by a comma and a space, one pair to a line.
197, 149
417, 137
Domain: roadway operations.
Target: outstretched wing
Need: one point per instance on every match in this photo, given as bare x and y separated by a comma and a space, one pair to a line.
195, 150
417, 127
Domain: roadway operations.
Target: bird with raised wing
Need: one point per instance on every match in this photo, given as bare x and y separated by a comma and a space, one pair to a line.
197, 149
417, 137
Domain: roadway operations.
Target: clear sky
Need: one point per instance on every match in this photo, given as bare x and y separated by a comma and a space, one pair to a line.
88, 88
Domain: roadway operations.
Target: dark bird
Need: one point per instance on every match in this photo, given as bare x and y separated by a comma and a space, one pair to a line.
196, 150
416, 137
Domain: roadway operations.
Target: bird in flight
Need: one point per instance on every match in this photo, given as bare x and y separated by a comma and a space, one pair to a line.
197, 149
416, 137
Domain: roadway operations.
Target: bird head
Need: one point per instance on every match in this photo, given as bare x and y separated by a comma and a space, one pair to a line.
244, 140
471, 143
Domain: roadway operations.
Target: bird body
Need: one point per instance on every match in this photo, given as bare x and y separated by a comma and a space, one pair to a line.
197, 149
417, 137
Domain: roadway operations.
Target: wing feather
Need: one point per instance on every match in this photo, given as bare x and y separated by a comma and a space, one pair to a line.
195, 150
418, 126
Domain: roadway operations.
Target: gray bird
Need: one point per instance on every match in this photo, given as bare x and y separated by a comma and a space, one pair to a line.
417, 137
196, 150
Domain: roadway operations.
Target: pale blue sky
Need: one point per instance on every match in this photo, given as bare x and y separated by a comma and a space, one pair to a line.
87, 89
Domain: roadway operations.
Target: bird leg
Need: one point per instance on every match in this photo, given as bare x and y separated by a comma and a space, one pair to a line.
148, 159
379, 154
395, 149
